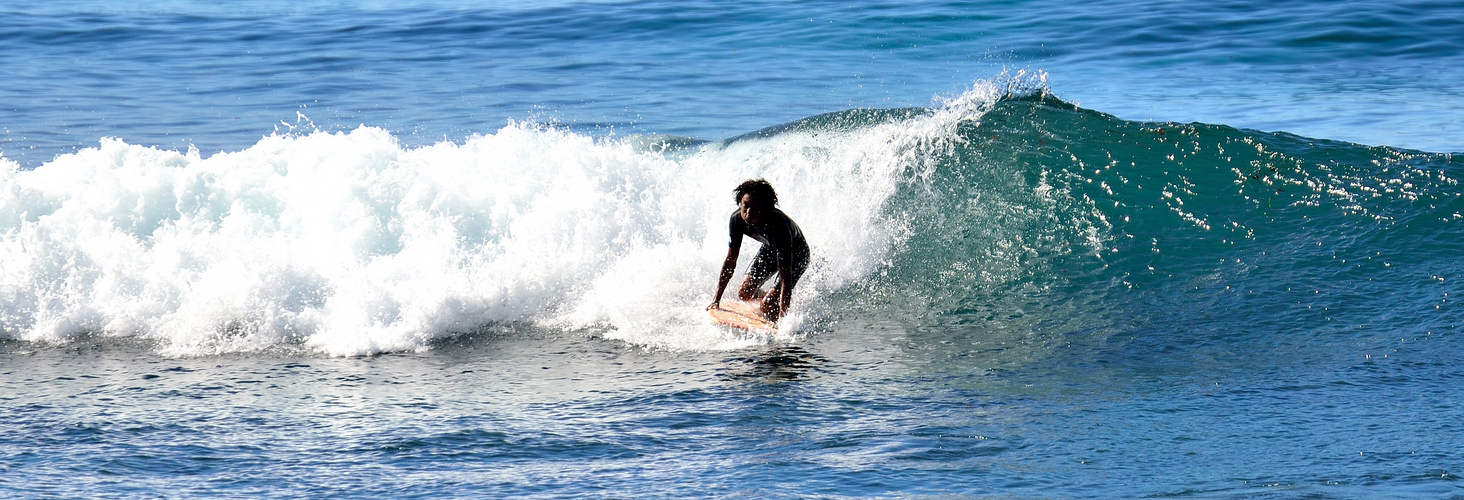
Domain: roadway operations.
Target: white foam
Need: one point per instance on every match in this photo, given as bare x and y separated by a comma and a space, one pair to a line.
352, 244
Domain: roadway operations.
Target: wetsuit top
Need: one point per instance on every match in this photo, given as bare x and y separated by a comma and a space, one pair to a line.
777, 232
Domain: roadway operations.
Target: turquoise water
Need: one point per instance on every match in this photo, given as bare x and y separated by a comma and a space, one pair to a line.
462, 250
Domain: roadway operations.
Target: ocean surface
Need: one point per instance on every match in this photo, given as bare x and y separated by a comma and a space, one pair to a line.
405, 249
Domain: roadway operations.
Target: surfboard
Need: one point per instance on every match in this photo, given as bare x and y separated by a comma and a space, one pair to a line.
746, 315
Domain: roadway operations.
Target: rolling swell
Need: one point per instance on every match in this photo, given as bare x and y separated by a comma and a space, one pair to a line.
1047, 225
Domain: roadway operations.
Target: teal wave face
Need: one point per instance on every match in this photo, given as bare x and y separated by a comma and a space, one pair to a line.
1048, 221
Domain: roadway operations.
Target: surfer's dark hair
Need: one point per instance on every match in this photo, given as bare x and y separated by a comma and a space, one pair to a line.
758, 188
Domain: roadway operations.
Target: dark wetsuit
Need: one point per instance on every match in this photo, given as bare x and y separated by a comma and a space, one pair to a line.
782, 246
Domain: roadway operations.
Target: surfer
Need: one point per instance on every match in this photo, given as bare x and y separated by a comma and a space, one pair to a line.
784, 251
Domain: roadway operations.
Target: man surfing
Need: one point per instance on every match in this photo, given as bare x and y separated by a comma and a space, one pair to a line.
784, 251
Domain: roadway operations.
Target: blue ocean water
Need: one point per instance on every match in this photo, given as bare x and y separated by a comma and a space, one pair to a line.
461, 249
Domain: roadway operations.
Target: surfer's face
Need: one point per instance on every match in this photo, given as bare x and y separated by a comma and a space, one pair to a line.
751, 209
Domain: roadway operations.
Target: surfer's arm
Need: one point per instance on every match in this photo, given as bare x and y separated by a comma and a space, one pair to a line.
729, 266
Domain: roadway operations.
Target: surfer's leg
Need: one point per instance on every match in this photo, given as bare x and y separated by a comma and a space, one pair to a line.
764, 267
771, 303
